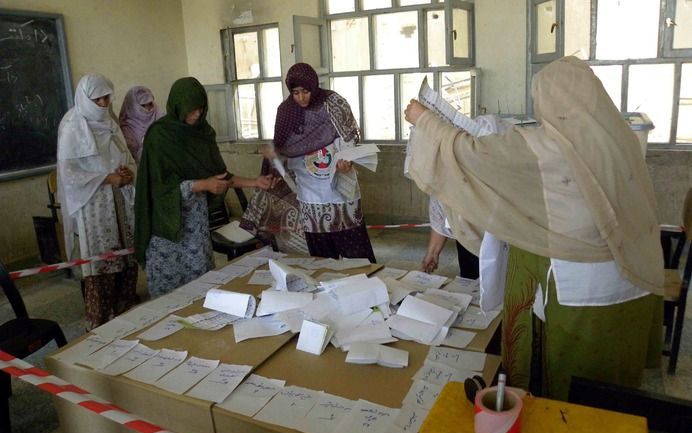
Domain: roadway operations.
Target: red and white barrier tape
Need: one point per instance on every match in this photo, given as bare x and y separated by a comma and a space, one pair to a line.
50, 268
398, 226
58, 387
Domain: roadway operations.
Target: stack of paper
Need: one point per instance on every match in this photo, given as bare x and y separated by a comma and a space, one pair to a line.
314, 337
438, 105
368, 353
364, 155
420, 320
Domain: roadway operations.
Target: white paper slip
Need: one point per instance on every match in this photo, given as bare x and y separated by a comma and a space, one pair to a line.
416, 308
366, 332
196, 289
465, 285
261, 278
291, 279
288, 406
258, 327
422, 281
320, 308
326, 414
459, 300
219, 384
142, 316
210, 321
216, 277
237, 304
409, 419
186, 375
234, 233
422, 394
459, 359
361, 295
84, 348
130, 360
458, 338
346, 263
169, 303
297, 261
388, 272
168, 326
474, 318
367, 417
367, 353
438, 105
345, 281
252, 395
440, 374
314, 337
274, 301
235, 271
116, 328
397, 290
252, 261
329, 276
410, 329
155, 367
105, 356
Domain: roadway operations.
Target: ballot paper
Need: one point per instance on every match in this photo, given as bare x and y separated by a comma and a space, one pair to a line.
279, 166
168, 326
129, 360
142, 316
475, 318
289, 406
155, 367
459, 359
329, 276
105, 356
291, 279
275, 301
365, 332
440, 374
195, 289
458, 338
84, 348
409, 419
345, 281
416, 308
219, 384
210, 321
389, 272
422, 281
326, 414
458, 301
234, 303
252, 395
116, 328
314, 337
422, 394
438, 105
186, 375
234, 233
261, 278
368, 353
364, 155
468, 286
258, 327
298, 261
169, 303
360, 295
340, 265
367, 417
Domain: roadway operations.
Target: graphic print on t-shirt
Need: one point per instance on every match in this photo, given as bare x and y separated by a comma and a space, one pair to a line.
317, 163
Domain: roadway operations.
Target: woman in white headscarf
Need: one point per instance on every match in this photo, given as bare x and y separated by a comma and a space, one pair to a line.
574, 201
95, 186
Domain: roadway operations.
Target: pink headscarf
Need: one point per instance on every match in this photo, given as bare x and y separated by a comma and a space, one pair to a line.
135, 119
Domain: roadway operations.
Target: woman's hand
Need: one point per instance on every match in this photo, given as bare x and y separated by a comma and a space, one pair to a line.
343, 166
114, 179
269, 152
215, 184
126, 175
430, 262
264, 182
414, 111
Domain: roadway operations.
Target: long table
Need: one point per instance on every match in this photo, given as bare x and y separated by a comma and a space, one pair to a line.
274, 357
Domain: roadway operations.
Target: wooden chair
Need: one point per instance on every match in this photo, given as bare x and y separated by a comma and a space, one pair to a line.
676, 287
663, 413
218, 216
21, 337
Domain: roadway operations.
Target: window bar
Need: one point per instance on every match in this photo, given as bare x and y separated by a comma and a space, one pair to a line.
258, 111
625, 86
677, 78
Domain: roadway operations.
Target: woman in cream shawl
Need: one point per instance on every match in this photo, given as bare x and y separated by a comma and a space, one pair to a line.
574, 200
95, 186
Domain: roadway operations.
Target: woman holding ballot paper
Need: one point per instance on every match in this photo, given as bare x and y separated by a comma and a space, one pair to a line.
573, 199
312, 125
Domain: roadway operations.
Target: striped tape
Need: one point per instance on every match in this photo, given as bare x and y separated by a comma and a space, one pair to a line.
50, 268
398, 226
58, 387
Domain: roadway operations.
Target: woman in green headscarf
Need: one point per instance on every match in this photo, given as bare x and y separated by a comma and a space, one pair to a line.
180, 165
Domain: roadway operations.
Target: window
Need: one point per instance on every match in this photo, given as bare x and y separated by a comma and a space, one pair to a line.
253, 71
379, 51
641, 50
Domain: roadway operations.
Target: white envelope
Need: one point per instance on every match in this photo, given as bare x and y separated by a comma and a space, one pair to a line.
237, 304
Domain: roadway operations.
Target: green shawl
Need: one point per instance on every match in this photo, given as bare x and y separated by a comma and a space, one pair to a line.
173, 152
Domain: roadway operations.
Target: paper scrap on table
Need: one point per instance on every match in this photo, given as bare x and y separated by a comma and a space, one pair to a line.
116, 328
130, 360
360, 295
279, 166
84, 348
234, 303
274, 301
388, 272
368, 353
210, 321
421, 320
409, 419
475, 318
258, 327
421, 281
440, 374
234, 233
416, 308
291, 279
195, 289
458, 338
367, 417
155, 367
262, 277
252, 395
449, 300
168, 326
422, 394
468, 286
288, 406
365, 332
107, 355
235, 271
314, 337
326, 414
220, 383
186, 375
459, 359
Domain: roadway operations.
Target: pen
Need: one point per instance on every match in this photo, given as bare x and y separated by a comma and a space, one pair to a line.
500, 396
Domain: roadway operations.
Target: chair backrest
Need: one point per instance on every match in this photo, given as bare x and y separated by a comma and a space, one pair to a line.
241, 198
12, 293
52, 185
687, 214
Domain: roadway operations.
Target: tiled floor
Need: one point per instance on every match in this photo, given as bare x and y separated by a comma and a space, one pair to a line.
53, 296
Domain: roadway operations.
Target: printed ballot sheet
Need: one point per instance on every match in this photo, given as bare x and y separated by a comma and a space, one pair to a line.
210, 321
289, 406
252, 395
155, 367
130, 360
437, 104
467, 286
326, 414
219, 384
186, 375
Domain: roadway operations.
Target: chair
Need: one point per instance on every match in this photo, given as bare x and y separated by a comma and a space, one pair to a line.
663, 413
675, 288
218, 216
21, 337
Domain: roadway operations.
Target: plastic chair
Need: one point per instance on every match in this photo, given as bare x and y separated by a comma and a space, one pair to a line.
662, 412
21, 337
218, 216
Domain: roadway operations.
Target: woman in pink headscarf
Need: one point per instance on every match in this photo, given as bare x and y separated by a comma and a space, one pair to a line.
138, 112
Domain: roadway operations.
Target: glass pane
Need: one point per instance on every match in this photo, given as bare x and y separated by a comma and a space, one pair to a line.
435, 23
272, 59
684, 134
456, 89
397, 40
246, 55
339, 6
270, 98
627, 29
247, 115
578, 28
545, 32
350, 36
410, 84
379, 107
682, 32
217, 113
460, 35
651, 92
376, 4
611, 77
312, 48
348, 88
413, 2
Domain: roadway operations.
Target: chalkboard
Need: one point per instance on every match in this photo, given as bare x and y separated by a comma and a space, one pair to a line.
35, 91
